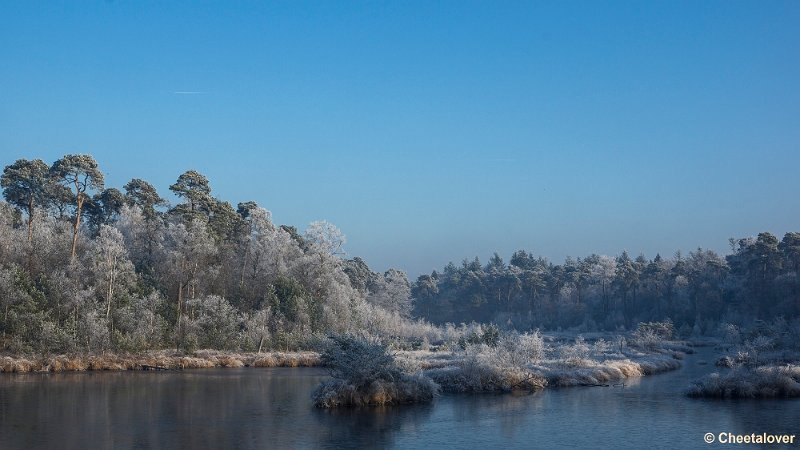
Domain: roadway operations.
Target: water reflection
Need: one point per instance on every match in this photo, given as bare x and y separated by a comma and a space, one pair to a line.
369, 427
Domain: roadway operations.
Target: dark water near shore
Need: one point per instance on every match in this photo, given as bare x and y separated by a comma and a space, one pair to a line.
271, 408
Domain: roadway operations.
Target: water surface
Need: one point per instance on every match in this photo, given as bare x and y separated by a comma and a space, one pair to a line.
271, 408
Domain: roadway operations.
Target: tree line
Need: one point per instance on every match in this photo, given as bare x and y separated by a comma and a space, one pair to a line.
757, 281
85, 267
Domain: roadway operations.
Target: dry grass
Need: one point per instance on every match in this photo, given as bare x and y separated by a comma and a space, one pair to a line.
484, 378
158, 359
409, 389
12, 365
594, 373
281, 359
426, 359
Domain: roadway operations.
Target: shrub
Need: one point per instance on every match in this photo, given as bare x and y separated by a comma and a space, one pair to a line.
365, 373
651, 335
501, 369
762, 382
480, 334
576, 352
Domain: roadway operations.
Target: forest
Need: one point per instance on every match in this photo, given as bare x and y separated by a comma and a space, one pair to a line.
758, 281
90, 268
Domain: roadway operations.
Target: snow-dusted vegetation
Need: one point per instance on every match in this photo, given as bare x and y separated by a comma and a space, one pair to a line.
527, 362
744, 382
365, 373
87, 269
698, 291
156, 360
93, 277
500, 366
759, 362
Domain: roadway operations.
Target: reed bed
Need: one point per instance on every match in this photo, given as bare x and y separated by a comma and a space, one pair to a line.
156, 360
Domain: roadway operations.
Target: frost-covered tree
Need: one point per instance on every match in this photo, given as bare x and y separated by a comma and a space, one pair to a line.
139, 325
392, 292
111, 269
142, 194
325, 238
27, 185
256, 331
187, 256
104, 208
193, 187
80, 173
210, 322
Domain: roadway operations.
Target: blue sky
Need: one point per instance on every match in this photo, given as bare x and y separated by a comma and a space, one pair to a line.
430, 131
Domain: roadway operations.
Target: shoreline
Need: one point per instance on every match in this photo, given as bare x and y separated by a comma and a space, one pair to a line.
155, 360
585, 372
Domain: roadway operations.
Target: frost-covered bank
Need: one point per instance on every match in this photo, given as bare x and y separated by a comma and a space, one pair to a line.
155, 361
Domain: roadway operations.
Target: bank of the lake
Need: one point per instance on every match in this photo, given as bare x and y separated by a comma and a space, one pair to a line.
156, 360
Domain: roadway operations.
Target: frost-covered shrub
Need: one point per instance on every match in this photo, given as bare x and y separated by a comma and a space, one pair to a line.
730, 334
211, 322
516, 350
481, 368
664, 330
409, 389
761, 382
620, 343
256, 333
56, 339
359, 361
756, 346
601, 347
646, 339
531, 345
138, 325
365, 373
480, 334
651, 335
573, 354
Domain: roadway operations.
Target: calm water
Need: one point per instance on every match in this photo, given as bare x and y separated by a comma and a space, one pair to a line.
271, 408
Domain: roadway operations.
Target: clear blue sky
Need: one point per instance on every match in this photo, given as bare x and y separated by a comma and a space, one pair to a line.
430, 131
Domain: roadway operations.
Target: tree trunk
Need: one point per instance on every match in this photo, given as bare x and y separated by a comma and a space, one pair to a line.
110, 292
30, 220
77, 225
180, 300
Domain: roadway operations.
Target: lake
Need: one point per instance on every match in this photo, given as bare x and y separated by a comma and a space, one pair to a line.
271, 408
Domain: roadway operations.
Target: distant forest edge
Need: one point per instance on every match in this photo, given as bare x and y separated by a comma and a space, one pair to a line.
697, 292
89, 268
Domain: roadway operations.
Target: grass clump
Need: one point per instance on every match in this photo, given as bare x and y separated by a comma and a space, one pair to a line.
366, 374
